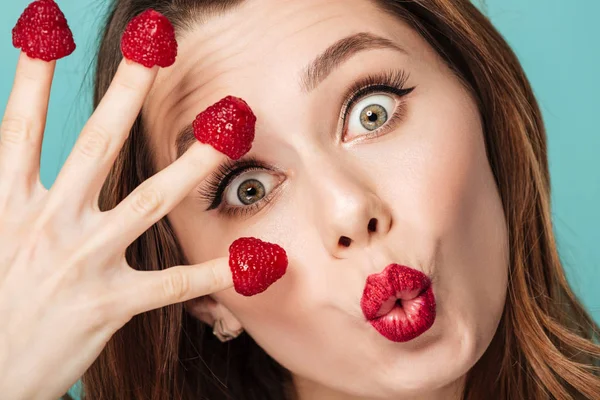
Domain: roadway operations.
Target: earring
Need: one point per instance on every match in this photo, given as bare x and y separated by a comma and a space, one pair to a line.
224, 334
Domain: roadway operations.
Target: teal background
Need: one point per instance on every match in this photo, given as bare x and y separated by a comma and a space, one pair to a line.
556, 41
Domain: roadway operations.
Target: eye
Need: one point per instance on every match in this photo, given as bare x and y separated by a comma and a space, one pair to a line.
250, 187
370, 114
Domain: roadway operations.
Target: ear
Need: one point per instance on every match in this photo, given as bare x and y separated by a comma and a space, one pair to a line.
209, 311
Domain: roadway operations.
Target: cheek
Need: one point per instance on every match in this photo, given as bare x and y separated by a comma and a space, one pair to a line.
436, 175
280, 320
449, 212
465, 216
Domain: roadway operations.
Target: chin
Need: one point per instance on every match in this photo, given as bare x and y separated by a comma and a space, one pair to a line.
436, 361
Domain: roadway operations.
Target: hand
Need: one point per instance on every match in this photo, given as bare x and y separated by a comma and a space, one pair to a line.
65, 287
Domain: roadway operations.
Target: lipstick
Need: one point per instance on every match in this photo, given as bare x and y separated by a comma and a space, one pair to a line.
399, 303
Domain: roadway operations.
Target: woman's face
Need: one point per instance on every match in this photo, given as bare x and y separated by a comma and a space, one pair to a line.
404, 176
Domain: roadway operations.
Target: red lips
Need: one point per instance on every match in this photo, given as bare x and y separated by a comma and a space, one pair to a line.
399, 303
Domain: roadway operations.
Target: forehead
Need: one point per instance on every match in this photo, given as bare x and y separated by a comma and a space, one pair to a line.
256, 51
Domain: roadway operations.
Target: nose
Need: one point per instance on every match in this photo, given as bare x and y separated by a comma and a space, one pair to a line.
347, 211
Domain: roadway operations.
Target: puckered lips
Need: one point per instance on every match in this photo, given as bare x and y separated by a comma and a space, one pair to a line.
399, 302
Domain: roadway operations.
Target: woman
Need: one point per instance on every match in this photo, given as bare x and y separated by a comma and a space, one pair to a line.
396, 141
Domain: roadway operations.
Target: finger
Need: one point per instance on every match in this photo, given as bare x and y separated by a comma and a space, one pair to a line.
23, 123
158, 195
104, 134
148, 290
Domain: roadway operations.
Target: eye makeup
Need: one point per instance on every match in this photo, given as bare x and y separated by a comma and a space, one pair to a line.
213, 189
391, 82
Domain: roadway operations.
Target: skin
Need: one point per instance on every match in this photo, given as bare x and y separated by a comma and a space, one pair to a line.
427, 182
64, 280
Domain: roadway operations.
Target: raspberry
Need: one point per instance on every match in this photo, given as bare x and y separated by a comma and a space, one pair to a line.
228, 126
149, 39
42, 32
255, 265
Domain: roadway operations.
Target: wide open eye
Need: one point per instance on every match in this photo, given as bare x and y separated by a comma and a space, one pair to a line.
250, 187
370, 113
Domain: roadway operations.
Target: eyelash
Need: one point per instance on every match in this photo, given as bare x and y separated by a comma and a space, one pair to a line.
212, 191
391, 81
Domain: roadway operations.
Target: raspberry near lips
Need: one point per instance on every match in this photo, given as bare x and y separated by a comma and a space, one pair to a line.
228, 126
42, 32
255, 265
149, 39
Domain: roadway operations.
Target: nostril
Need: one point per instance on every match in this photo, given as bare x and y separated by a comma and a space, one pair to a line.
373, 225
345, 241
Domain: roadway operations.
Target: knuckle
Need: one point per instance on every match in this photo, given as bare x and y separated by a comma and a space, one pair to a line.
217, 280
176, 285
146, 201
14, 130
94, 143
127, 85
31, 75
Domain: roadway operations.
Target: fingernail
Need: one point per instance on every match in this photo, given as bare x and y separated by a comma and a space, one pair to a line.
228, 126
256, 265
42, 32
149, 40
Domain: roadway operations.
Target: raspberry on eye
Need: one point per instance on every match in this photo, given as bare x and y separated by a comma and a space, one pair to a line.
228, 126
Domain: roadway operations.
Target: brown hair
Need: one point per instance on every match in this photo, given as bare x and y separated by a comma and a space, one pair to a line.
546, 343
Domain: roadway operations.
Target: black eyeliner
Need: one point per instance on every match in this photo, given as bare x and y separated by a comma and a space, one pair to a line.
214, 187
390, 81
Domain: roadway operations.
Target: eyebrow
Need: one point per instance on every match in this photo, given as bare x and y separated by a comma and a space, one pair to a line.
339, 52
316, 71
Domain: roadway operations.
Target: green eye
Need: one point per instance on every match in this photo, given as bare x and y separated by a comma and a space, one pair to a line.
250, 187
250, 191
373, 117
370, 114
